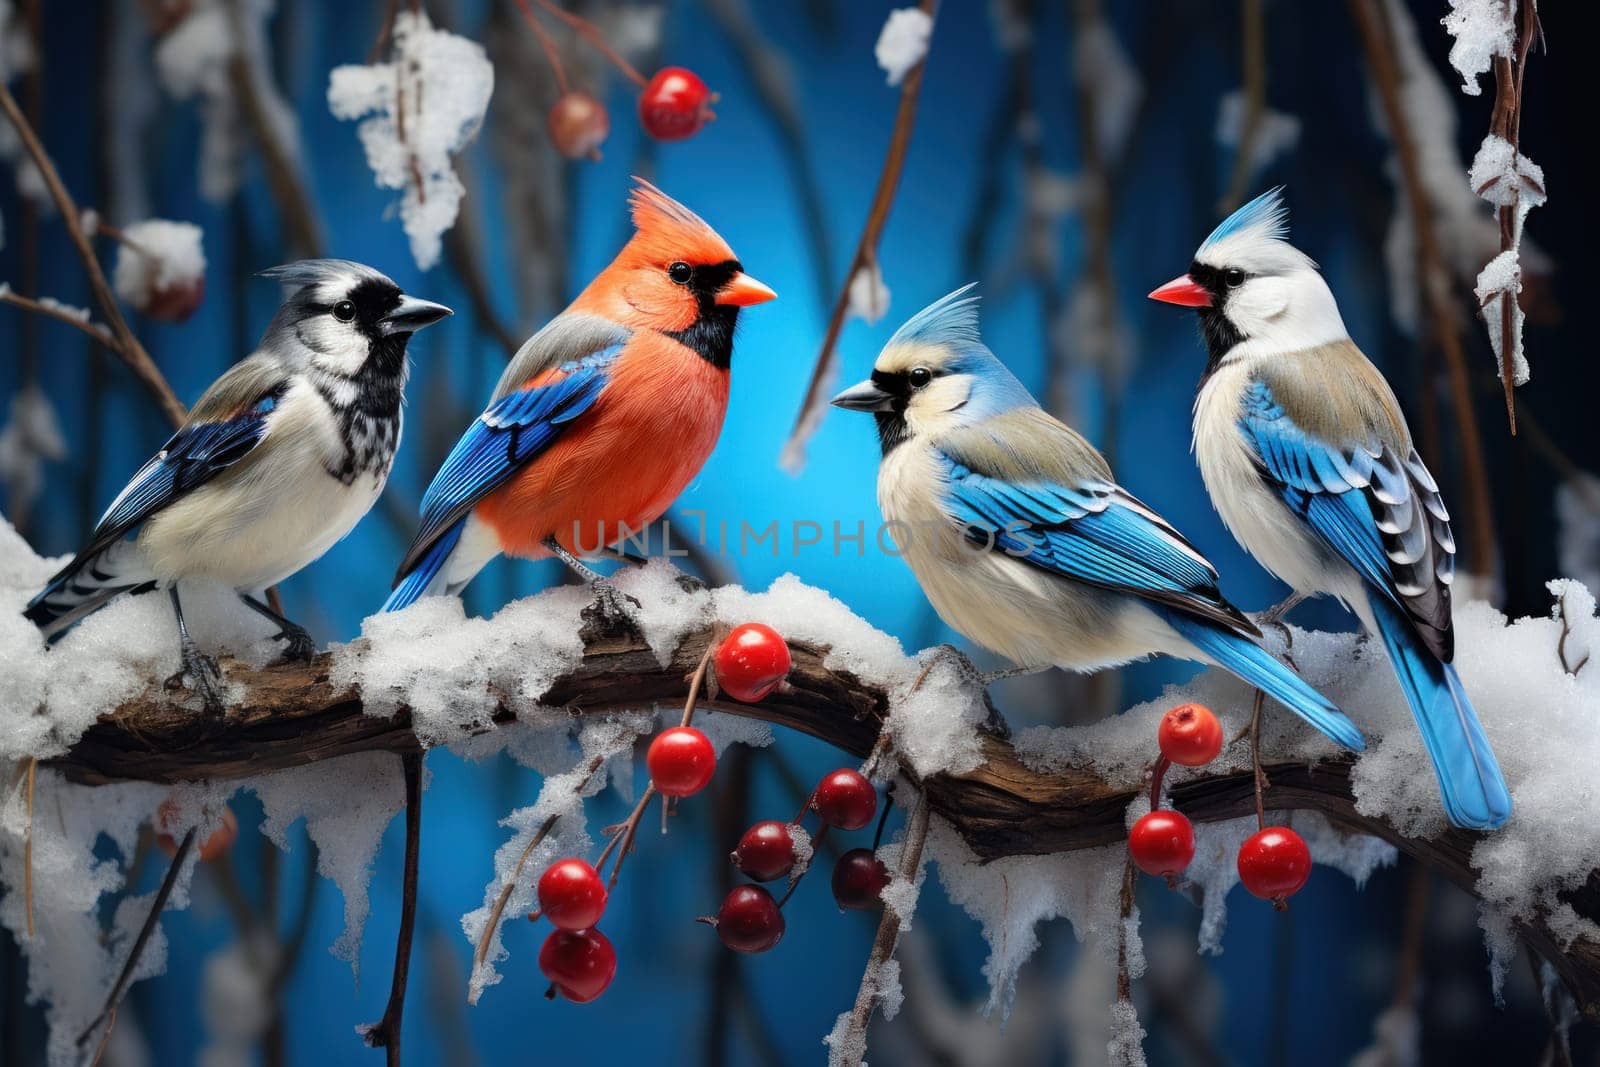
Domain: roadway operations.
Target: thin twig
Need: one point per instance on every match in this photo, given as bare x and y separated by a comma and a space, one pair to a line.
108, 1011
854, 1041
88, 326
1561, 647
386, 1032
621, 842
1125, 909
815, 404
127, 345
591, 33
546, 42
1255, 763
1371, 21
481, 953
1506, 123
27, 851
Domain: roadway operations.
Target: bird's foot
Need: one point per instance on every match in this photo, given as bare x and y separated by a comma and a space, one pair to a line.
1273, 618
206, 676
297, 643
996, 723
611, 606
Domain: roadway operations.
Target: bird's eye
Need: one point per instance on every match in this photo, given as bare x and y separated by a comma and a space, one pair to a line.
919, 377
680, 273
1234, 277
344, 311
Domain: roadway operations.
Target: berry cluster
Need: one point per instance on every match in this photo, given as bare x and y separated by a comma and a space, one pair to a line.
673, 105
1273, 863
750, 919
579, 960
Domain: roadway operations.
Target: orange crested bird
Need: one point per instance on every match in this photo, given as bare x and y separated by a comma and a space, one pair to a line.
602, 417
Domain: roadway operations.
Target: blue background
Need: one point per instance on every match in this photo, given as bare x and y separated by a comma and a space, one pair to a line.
1305, 985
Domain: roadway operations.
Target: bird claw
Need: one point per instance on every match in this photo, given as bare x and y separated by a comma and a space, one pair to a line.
298, 645
995, 724
207, 678
611, 604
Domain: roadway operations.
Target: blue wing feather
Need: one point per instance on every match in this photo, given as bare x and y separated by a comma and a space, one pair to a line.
1093, 532
508, 435
191, 457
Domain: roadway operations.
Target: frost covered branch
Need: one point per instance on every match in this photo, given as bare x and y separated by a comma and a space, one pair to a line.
867, 295
1008, 805
1373, 21
127, 346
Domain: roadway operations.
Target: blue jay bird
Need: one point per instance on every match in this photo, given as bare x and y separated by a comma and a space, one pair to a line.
1020, 535
1309, 461
279, 459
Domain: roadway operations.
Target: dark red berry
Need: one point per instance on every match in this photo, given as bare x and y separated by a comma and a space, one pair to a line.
766, 851
749, 920
681, 761
1274, 863
751, 662
675, 104
571, 895
578, 125
859, 879
1162, 843
1190, 735
176, 302
580, 963
845, 799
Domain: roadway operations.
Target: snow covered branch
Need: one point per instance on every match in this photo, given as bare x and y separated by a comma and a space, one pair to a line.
126, 346
902, 50
291, 715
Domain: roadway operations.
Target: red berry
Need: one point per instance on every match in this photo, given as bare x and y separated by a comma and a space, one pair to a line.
1274, 863
751, 662
766, 851
859, 879
681, 761
578, 125
1162, 843
749, 920
571, 895
580, 963
176, 302
212, 848
845, 799
675, 104
1190, 735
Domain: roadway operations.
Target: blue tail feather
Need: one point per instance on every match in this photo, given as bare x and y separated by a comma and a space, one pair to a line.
1255, 665
421, 577
1473, 791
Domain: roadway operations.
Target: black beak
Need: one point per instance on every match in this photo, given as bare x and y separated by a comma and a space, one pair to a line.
864, 396
412, 314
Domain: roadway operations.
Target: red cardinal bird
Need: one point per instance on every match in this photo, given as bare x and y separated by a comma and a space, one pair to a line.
602, 417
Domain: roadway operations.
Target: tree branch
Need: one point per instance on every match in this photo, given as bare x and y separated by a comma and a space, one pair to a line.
291, 715
815, 404
127, 345
1376, 38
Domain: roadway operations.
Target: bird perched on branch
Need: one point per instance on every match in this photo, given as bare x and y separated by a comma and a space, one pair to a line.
601, 418
1309, 461
278, 460
1022, 538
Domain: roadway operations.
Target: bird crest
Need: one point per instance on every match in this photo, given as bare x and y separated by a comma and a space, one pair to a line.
1266, 218
951, 320
667, 230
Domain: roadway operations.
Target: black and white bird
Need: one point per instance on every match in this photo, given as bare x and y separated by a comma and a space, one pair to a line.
279, 459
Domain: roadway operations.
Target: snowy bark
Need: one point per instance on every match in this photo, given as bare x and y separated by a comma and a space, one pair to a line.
292, 715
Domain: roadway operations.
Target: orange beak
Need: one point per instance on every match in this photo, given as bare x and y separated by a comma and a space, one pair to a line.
1183, 290
743, 290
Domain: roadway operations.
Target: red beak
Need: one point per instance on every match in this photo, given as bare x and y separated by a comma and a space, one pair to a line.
1183, 290
742, 290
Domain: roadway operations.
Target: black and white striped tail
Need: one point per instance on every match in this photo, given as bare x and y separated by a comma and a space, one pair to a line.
85, 585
